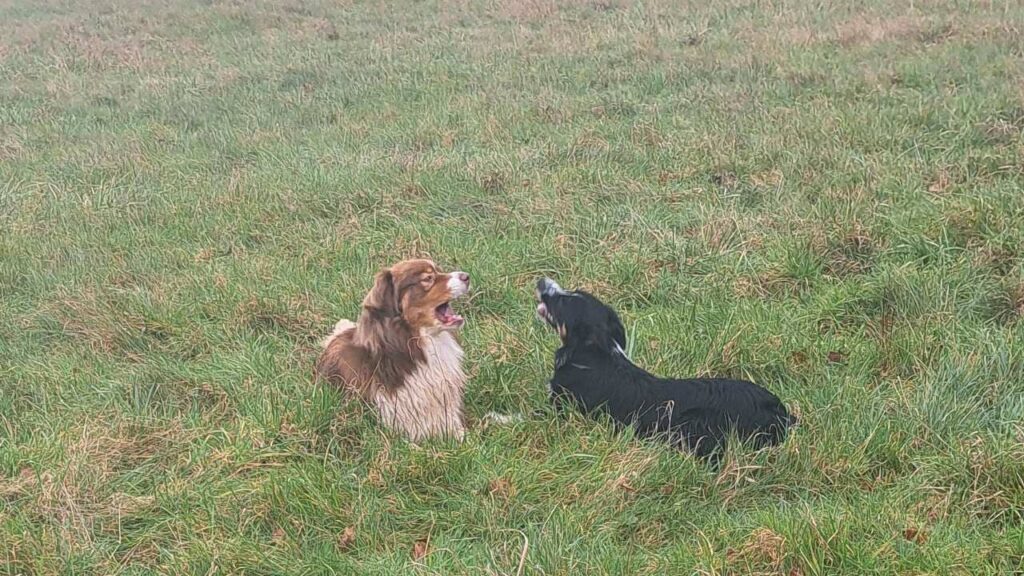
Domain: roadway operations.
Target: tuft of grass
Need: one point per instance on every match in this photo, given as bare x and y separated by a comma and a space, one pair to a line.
824, 198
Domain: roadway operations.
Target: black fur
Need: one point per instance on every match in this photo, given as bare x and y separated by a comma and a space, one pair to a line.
593, 373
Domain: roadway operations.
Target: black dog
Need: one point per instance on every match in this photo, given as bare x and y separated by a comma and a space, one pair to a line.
594, 374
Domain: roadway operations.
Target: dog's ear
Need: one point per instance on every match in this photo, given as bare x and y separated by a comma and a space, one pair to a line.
617, 332
608, 335
602, 337
383, 296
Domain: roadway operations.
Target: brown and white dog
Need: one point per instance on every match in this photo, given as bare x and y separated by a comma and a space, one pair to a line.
402, 356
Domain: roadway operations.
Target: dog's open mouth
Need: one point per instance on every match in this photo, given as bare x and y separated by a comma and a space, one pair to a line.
543, 314
542, 309
447, 317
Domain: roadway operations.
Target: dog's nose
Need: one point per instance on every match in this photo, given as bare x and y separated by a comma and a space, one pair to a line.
548, 287
464, 277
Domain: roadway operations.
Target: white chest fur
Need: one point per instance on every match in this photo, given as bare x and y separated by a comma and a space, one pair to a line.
430, 401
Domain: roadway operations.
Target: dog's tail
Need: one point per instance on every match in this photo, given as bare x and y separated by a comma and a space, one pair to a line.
340, 328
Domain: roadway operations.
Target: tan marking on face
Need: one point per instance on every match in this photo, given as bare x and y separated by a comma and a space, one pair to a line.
421, 288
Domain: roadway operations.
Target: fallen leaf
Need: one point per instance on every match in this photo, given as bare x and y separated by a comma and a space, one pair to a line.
914, 535
668, 489
419, 549
347, 538
277, 535
835, 357
940, 184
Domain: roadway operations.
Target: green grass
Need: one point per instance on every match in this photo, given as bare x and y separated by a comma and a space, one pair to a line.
821, 197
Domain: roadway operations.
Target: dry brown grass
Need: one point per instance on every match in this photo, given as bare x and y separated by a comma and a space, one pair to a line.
624, 471
848, 250
75, 497
772, 283
97, 318
867, 29
762, 553
295, 316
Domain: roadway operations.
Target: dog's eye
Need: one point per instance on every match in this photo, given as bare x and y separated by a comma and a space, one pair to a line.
427, 280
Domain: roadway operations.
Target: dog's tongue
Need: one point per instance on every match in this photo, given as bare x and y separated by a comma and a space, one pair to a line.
447, 316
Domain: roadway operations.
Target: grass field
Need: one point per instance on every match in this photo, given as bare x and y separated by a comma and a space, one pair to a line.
824, 197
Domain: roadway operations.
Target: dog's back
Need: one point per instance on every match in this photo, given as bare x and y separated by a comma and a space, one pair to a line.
697, 414
340, 328
704, 410
342, 363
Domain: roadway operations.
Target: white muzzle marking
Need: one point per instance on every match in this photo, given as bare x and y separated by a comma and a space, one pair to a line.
456, 285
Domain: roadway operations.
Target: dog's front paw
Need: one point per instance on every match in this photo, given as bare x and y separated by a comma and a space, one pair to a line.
498, 419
